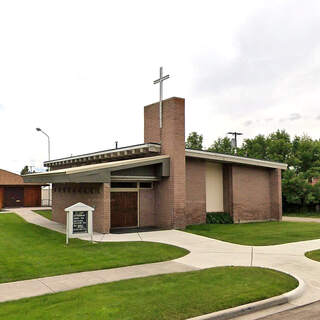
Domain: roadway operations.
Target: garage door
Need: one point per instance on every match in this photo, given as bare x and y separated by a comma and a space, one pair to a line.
32, 196
13, 197
1, 197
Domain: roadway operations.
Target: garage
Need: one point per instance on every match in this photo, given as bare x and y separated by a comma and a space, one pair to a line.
15, 193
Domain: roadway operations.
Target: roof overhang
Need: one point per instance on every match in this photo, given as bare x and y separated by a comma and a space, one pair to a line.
225, 158
100, 173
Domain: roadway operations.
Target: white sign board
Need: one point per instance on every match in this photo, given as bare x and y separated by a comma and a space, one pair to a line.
79, 221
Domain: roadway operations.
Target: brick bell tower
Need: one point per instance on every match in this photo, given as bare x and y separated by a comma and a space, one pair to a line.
170, 193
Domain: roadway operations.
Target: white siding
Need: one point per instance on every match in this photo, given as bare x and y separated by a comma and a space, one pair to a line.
214, 187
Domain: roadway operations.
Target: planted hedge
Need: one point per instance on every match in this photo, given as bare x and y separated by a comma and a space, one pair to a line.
218, 218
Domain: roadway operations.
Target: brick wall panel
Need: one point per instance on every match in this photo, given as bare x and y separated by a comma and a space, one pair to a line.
96, 195
251, 193
195, 191
147, 207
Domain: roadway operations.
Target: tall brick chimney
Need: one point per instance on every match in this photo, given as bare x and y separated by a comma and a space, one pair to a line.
170, 192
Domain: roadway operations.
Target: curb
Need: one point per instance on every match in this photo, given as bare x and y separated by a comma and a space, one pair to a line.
256, 306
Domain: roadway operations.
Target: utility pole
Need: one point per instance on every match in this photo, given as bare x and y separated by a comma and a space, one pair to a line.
234, 139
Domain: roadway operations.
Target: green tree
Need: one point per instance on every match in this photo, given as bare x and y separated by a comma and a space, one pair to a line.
222, 145
275, 147
279, 147
194, 141
255, 148
294, 187
25, 170
307, 154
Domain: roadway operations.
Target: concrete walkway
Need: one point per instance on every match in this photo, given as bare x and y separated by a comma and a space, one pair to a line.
204, 253
302, 219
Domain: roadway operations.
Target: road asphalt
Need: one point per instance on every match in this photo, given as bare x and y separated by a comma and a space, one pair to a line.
307, 312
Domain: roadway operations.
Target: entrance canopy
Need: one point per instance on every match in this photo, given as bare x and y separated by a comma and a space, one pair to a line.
149, 168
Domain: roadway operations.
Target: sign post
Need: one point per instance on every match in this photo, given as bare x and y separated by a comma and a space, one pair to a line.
79, 221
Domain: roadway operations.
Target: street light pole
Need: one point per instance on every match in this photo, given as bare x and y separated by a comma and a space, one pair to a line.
38, 129
49, 191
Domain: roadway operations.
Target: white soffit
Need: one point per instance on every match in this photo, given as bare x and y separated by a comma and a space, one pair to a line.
104, 165
234, 159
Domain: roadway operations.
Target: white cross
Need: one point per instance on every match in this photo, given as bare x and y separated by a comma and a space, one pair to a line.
160, 80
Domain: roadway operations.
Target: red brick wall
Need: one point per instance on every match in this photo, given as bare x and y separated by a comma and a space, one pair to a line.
163, 204
252, 193
276, 194
96, 195
170, 192
195, 191
146, 208
151, 123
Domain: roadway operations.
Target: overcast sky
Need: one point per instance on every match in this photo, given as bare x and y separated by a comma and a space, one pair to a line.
83, 70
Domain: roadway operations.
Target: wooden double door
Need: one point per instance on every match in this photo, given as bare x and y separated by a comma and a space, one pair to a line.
124, 209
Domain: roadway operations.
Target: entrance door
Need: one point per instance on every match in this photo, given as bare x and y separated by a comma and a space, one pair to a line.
13, 197
124, 209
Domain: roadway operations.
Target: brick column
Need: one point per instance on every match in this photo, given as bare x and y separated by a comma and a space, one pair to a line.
276, 194
107, 208
101, 215
171, 191
228, 190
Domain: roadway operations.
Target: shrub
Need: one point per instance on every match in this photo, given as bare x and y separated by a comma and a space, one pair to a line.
218, 218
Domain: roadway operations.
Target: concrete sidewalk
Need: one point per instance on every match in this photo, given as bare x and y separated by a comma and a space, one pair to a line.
300, 219
204, 253
35, 287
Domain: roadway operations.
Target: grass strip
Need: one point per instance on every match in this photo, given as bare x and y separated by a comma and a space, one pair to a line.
173, 296
259, 234
29, 251
313, 255
45, 213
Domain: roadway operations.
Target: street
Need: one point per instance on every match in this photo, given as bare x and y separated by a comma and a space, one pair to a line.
308, 312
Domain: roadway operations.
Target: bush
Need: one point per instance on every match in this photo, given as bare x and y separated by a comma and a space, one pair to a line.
218, 218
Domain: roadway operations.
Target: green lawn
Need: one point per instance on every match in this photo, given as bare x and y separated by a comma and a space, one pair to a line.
259, 234
303, 214
314, 255
45, 213
172, 296
28, 251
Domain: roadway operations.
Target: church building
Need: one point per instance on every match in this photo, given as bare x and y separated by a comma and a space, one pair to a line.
162, 184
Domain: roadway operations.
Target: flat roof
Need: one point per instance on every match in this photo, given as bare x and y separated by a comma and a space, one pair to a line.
220, 157
134, 150
141, 150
